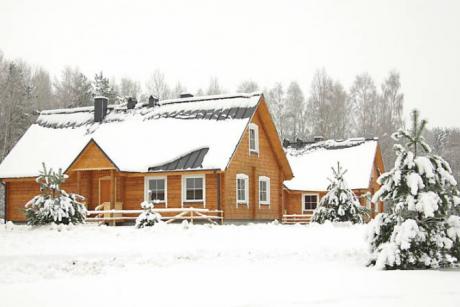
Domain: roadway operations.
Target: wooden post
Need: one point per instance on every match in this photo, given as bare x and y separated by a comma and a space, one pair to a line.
113, 196
222, 197
281, 198
78, 183
5, 203
218, 191
254, 193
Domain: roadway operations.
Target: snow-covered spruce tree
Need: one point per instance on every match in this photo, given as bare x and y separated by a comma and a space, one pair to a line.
148, 217
54, 205
340, 204
422, 230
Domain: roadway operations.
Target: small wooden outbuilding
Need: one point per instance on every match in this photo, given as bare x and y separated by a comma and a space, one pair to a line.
312, 162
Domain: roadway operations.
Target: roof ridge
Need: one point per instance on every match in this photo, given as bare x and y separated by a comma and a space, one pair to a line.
330, 144
162, 103
209, 97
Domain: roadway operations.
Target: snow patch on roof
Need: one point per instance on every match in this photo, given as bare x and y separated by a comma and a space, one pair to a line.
312, 163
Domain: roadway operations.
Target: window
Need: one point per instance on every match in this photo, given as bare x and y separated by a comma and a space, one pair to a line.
253, 138
242, 189
310, 201
264, 190
193, 190
155, 189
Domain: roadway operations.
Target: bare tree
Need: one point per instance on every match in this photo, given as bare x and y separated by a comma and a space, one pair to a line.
16, 103
248, 86
390, 114
446, 142
277, 103
363, 96
295, 112
73, 89
129, 88
157, 85
178, 90
42, 90
328, 109
214, 87
199, 92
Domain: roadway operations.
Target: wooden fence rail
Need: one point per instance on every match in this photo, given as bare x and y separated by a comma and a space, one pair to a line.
191, 214
297, 218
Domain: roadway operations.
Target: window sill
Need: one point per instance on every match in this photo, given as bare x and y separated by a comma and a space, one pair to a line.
264, 204
160, 204
245, 204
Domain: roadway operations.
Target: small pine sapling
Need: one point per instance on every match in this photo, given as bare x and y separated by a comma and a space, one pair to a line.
148, 217
422, 229
340, 204
54, 205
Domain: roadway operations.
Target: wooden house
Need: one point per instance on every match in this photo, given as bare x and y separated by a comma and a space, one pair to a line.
312, 162
218, 152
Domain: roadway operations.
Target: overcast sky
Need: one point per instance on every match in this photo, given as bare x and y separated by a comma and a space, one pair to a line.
266, 41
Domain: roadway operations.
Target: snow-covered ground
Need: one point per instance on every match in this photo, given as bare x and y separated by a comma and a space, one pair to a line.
201, 265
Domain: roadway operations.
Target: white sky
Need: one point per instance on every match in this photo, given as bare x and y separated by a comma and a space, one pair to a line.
266, 41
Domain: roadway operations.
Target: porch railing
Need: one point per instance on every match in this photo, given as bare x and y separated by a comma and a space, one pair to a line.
297, 218
174, 214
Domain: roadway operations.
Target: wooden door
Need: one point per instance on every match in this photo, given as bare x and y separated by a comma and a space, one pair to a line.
105, 189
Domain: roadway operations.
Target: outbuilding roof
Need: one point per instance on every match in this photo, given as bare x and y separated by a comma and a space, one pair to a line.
186, 133
312, 163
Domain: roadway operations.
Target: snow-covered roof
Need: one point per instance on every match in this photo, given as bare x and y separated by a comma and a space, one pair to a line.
138, 139
312, 163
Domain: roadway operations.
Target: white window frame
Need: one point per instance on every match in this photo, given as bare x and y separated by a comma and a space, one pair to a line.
147, 188
255, 128
184, 190
303, 201
246, 187
265, 202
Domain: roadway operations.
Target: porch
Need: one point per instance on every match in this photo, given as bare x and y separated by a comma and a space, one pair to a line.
115, 197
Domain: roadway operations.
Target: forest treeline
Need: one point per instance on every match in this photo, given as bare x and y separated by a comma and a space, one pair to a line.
324, 108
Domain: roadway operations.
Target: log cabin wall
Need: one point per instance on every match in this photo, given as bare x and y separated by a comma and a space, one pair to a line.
253, 165
134, 191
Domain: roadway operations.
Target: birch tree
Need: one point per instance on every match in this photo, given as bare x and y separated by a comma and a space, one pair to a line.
73, 89
328, 109
276, 101
129, 88
390, 114
295, 111
248, 86
214, 87
364, 99
157, 85
178, 90
16, 107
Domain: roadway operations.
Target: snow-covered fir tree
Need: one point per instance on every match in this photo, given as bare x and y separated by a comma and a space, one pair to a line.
102, 87
148, 217
340, 204
54, 205
422, 230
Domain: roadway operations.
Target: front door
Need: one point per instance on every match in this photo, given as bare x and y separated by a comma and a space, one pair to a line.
105, 189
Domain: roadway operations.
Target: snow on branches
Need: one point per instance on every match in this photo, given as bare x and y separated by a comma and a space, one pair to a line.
340, 204
54, 205
148, 217
421, 231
